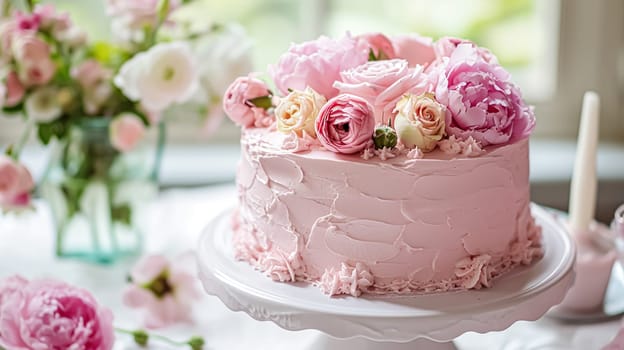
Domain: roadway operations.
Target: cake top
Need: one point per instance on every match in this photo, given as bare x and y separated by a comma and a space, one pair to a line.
377, 96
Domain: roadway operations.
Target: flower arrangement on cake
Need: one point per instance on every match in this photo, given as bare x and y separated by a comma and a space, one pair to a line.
103, 104
376, 95
383, 165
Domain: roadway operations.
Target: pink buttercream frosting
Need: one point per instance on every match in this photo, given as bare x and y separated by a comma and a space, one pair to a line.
467, 148
414, 225
346, 280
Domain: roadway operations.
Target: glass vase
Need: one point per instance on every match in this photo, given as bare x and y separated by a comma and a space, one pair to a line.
97, 194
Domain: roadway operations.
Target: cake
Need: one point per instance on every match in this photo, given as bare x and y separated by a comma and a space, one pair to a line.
383, 165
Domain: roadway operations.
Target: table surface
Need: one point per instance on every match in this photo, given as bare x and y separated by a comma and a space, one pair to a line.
175, 222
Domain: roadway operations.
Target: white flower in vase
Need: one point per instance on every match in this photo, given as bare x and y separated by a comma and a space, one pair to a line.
43, 105
163, 75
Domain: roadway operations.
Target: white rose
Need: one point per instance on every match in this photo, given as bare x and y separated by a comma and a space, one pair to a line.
420, 121
43, 105
161, 76
298, 111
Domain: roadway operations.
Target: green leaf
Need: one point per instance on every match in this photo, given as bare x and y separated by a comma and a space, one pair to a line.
196, 343
262, 102
122, 214
140, 337
46, 131
13, 109
371, 56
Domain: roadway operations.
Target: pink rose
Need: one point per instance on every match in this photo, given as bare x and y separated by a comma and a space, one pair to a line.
35, 66
14, 90
317, 64
481, 101
51, 315
238, 106
89, 73
27, 22
166, 290
382, 83
345, 124
414, 48
126, 131
445, 47
16, 183
380, 45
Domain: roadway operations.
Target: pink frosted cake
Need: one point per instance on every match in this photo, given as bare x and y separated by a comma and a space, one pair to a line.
384, 165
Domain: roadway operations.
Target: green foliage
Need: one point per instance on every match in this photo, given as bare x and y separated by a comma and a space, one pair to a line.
196, 343
56, 128
262, 102
122, 213
140, 337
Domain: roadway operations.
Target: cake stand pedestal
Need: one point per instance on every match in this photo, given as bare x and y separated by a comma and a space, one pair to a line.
389, 322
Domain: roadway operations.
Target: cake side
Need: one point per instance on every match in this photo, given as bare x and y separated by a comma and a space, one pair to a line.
401, 225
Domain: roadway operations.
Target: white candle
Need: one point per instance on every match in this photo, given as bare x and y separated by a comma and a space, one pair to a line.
584, 182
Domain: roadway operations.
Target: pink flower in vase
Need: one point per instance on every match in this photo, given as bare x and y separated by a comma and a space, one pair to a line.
16, 183
27, 22
126, 131
35, 65
14, 90
51, 315
238, 102
166, 290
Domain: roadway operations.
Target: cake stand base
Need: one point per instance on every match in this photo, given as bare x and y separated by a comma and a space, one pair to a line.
328, 343
389, 322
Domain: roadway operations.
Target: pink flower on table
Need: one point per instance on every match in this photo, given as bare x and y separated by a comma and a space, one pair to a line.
238, 105
16, 183
445, 47
317, 64
345, 124
379, 44
166, 289
382, 83
34, 62
417, 50
14, 90
480, 99
52, 315
126, 131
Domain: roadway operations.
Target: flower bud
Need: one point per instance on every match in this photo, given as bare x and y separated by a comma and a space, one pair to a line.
384, 137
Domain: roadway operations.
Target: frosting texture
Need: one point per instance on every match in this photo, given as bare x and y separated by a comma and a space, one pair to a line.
401, 225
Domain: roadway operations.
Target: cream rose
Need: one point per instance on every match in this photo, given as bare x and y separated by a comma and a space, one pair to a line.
419, 121
298, 111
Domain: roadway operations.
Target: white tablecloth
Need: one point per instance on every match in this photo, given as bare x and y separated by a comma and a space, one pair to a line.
176, 221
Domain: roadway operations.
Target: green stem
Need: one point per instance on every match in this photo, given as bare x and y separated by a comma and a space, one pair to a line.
160, 146
6, 9
30, 5
153, 336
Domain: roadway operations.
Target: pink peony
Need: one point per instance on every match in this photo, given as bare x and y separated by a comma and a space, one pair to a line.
165, 289
16, 183
51, 315
345, 124
380, 45
27, 22
35, 65
14, 90
481, 101
237, 105
445, 47
417, 50
317, 64
126, 131
382, 83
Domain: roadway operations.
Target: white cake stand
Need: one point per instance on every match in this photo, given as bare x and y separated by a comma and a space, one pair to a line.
390, 322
